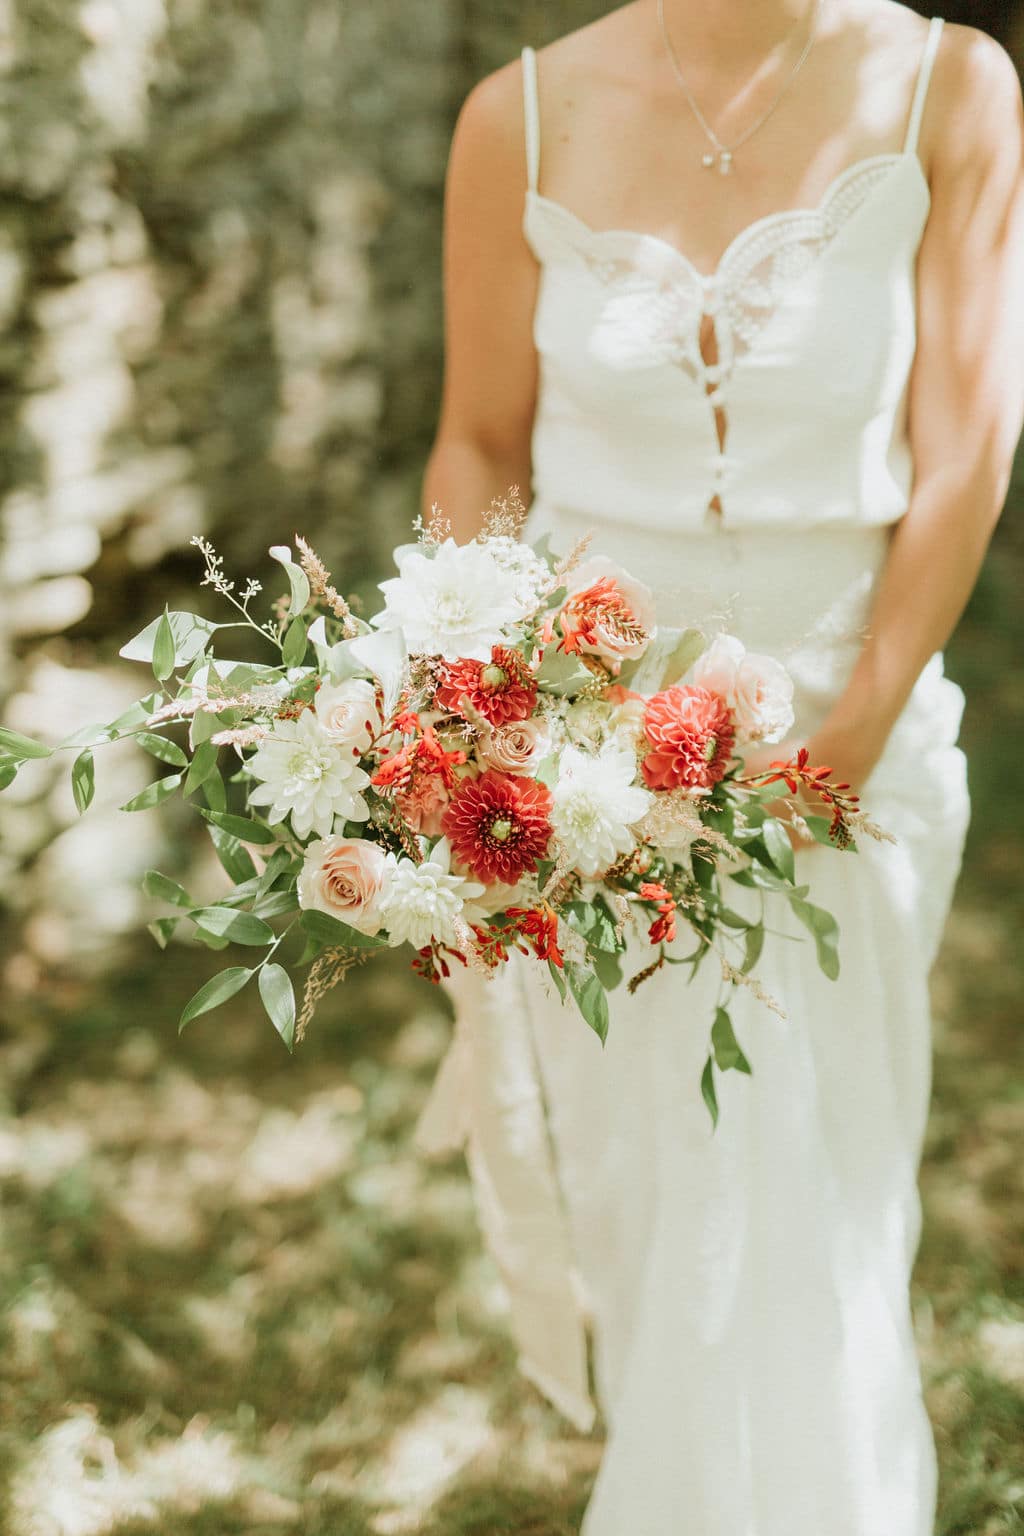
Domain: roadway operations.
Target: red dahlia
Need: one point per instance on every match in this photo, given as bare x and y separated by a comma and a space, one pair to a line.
498, 825
692, 735
500, 689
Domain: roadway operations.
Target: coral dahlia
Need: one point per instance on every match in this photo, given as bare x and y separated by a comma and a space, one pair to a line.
692, 735
500, 689
498, 825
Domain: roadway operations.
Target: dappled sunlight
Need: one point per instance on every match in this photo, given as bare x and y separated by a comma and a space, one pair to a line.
77, 1483
233, 1298
430, 1449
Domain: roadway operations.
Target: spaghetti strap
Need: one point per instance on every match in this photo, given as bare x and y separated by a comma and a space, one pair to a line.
531, 114
931, 47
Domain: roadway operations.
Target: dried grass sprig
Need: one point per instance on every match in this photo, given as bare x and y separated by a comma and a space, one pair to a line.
505, 516
329, 968
322, 590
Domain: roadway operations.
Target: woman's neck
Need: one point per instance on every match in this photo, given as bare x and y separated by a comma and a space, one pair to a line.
733, 31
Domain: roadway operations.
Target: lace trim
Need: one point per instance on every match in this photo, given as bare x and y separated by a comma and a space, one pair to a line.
650, 317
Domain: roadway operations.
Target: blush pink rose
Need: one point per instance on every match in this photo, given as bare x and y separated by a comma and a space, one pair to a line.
512, 748
347, 879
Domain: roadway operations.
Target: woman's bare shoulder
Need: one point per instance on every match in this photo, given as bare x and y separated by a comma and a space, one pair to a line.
494, 105
975, 103
488, 146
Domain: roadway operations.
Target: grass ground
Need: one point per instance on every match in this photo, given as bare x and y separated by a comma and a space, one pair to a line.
232, 1300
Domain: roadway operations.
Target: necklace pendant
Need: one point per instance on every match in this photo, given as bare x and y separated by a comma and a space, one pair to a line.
725, 162
707, 161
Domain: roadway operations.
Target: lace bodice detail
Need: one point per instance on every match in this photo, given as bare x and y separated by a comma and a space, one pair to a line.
795, 414
657, 298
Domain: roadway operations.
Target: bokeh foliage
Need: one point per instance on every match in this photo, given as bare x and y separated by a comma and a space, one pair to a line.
229, 1296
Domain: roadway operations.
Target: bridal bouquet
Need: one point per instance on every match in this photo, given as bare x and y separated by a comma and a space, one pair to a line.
509, 756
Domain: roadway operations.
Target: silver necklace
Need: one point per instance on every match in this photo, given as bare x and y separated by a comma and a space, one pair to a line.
722, 155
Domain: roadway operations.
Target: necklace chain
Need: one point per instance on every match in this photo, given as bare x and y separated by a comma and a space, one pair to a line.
724, 153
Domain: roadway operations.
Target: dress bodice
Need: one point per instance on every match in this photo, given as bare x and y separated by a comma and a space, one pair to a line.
814, 314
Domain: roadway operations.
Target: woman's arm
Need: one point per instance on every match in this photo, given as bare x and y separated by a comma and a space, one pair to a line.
490, 282
966, 394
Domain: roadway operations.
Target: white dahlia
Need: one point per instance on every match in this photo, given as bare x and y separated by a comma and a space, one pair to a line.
457, 604
306, 775
595, 804
422, 901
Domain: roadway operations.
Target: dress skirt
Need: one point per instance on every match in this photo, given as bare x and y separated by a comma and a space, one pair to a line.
747, 1289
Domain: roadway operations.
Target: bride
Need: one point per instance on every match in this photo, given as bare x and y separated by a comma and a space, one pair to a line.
735, 286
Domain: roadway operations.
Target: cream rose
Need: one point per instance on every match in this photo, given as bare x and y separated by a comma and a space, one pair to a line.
348, 713
347, 879
758, 691
513, 747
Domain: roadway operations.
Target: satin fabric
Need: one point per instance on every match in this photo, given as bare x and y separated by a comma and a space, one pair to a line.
747, 1292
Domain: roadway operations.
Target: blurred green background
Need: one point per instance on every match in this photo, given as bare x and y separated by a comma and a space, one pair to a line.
231, 1298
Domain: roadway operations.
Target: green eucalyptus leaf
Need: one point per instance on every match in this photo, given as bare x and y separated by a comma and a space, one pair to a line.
153, 794
204, 761
281, 861
780, 849
329, 932
591, 999
203, 726
163, 649
235, 859
163, 888
278, 996
22, 747
276, 904
707, 1090
90, 736
211, 940
189, 631
162, 749
8, 770
216, 991
135, 715
241, 827
214, 793
559, 979
83, 780
824, 930
162, 929
236, 927
597, 925
608, 968
294, 647
725, 1045
754, 947
688, 649
562, 674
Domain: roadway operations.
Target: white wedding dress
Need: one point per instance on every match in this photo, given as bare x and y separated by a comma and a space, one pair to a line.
748, 1290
